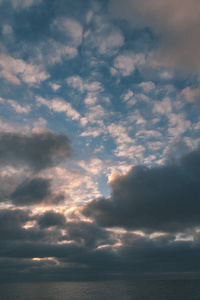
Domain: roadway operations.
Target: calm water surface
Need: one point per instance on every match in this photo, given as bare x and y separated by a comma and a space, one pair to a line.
107, 290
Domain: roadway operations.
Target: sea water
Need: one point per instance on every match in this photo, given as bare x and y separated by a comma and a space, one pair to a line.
103, 290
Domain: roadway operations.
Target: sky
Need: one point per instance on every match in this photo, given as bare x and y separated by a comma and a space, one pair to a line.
99, 139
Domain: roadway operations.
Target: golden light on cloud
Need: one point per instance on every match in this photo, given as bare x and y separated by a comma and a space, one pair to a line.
29, 224
113, 176
47, 260
44, 258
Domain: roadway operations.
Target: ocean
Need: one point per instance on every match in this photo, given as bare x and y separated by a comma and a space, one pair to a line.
103, 290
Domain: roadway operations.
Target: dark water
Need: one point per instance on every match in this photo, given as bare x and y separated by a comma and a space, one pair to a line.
104, 290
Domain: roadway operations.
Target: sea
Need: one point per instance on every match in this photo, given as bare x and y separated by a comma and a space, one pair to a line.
103, 290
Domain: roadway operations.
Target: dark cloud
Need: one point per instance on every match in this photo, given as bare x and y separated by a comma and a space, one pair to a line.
50, 218
11, 222
19, 225
87, 234
31, 191
35, 191
162, 198
87, 248
40, 250
7, 185
12, 218
38, 150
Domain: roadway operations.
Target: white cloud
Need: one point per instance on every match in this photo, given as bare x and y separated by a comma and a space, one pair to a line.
127, 63
137, 118
113, 71
55, 86
39, 125
126, 146
191, 95
7, 29
166, 75
111, 42
6, 126
197, 126
163, 107
89, 16
52, 52
76, 82
72, 30
127, 95
95, 114
149, 133
147, 86
142, 97
91, 99
178, 125
93, 166
93, 132
18, 108
106, 37
17, 70
133, 152
155, 145
22, 4
60, 105
84, 86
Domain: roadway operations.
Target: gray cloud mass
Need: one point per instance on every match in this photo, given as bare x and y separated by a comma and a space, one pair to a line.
35, 191
163, 198
37, 150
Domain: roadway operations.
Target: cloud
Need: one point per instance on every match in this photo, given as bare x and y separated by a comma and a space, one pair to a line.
58, 247
178, 124
163, 107
16, 106
37, 150
82, 85
7, 29
71, 29
52, 52
147, 86
128, 62
35, 191
50, 218
164, 198
60, 105
22, 4
126, 145
104, 36
127, 95
96, 114
11, 225
39, 250
31, 192
177, 26
191, 95
17, 70
86, 233
136, 257
12, 218
55, 86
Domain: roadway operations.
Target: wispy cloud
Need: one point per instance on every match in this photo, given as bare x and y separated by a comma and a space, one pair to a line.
17, 71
